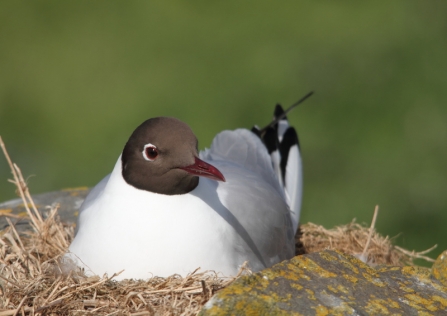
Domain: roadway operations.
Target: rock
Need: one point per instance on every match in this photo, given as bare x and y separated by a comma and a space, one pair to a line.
331, 283
70, 201
439, 269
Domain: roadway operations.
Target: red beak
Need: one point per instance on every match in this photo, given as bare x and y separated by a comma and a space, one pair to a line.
202, 169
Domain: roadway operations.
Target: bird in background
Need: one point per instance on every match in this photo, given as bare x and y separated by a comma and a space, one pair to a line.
167, 208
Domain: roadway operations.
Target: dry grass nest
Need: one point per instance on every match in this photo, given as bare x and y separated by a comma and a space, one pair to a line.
32, 281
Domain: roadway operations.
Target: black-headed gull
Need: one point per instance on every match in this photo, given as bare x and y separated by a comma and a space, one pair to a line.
166, 208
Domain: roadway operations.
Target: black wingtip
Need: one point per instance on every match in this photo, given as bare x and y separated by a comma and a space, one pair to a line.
283, 115
289, 139
279, 111
256, 131
270, 140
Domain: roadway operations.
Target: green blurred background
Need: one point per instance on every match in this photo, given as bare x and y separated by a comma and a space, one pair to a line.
77, 77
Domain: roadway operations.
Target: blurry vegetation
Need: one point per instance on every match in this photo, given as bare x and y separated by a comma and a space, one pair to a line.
77, 77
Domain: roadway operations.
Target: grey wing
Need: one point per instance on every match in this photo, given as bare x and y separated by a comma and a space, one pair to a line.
245, 149
254, 196
260, 216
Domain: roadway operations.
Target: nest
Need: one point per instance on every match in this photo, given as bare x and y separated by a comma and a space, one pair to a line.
33, 281
360, 241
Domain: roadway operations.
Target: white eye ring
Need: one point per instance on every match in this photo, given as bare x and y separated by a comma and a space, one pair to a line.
150, 152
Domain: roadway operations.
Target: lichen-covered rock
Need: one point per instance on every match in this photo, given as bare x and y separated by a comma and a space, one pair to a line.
69, 200
439, 269
331, 283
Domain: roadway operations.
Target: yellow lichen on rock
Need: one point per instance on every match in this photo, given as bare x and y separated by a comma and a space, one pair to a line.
332, 283
439, 269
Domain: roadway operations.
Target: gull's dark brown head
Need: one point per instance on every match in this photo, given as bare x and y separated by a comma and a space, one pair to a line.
161, 156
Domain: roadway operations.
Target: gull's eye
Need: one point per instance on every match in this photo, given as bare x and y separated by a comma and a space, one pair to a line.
150, 152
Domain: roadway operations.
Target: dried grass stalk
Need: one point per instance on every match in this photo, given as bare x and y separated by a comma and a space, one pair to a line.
360, 241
